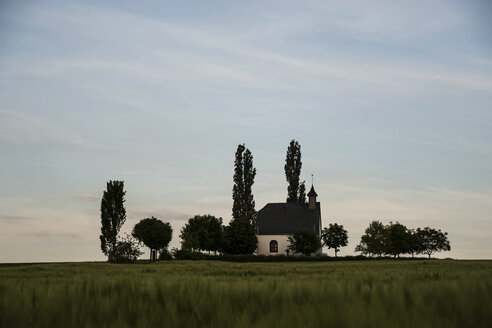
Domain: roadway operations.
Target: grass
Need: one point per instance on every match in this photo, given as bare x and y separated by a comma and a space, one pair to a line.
383, 293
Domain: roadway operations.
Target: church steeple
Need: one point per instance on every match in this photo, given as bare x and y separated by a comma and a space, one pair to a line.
312, 198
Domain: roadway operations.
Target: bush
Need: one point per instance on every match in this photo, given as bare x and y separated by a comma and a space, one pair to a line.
304, 241
127, 250
165, 255
185, 254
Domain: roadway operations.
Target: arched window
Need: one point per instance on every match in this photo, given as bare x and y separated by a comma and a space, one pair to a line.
273, 246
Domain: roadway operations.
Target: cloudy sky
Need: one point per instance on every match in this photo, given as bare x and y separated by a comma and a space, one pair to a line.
391, 102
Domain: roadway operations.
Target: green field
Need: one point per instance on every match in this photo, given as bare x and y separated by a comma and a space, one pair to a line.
437, 293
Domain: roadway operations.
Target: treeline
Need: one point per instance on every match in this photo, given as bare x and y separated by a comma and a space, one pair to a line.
201, 233
395, 239
206, 233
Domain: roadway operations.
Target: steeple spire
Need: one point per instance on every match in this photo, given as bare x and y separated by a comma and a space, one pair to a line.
312, 197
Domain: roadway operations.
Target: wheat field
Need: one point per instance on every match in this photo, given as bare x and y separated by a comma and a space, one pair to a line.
379, 293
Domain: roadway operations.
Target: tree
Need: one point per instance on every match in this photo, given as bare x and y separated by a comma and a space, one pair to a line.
302, 193
433, 240
296, 191
238, 187
398, 239
373, 242
244, 177
304, 241
415, 242
240, 237
202, 232
154, 233
249, 173
334, 237
126, 250
113, 215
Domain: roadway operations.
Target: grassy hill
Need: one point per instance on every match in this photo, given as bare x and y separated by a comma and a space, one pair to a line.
379, 293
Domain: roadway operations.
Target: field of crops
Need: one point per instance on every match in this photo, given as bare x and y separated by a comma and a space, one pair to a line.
439, 293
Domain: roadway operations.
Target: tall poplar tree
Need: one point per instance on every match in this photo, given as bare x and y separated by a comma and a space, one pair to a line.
244, 177
302, 193
240, 234
296, 190
249, 173
113, 215
238, 187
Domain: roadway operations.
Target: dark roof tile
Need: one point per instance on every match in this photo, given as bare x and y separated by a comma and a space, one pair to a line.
285, 218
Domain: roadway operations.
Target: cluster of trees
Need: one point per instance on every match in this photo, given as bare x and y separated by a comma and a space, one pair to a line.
207, 233
151, 232
113, 216
307, 241
201, 233
395, 239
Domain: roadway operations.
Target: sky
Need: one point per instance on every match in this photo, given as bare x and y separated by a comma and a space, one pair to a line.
391, 102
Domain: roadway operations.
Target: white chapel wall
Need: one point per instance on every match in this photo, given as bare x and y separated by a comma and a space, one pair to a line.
264, 244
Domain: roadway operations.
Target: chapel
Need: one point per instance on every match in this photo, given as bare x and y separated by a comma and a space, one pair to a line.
276, 221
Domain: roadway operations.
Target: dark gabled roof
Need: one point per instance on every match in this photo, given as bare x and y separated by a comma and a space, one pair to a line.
312, 192
286, 218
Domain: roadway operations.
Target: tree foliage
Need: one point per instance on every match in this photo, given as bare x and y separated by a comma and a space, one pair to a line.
244, 177
126, 250
240, 237
240, 234
153, 233
396, 239
113, 215
433, 240
415, 242
304, 241
302, 193
296, 191
373, 242
203, 233
335, 236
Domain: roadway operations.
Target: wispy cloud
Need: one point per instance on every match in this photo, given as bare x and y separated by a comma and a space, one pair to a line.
26, 128
256, 66
48, 235
15, 218
171, 94
87, 197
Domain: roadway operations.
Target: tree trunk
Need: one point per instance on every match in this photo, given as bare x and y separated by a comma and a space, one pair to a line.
336, 252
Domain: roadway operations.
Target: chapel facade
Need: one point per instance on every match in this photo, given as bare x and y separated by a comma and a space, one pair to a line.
276, 221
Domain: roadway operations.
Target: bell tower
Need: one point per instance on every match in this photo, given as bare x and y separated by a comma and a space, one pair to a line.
312, 198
